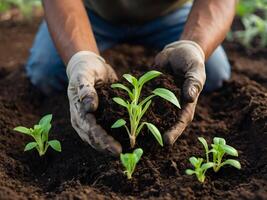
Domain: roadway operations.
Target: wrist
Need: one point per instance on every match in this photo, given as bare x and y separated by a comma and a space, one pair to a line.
86, 57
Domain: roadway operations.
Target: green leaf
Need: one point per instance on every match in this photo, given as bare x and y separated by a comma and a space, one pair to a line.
217, 140
232, 162
46, 120
138, 152
124, 160
190, 172
206, 166
119, 123
123, 87
120, 101
146, 99
45, 132
30, 146
145, 108
22, 129
128, 160
194, 161
204, 143
139, 128
55, 144
37, 130
230, 150
154, 130
131, 79
167, 95
148, 76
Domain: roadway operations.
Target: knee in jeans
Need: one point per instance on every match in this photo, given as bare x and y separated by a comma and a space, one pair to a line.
216, 77
41, 75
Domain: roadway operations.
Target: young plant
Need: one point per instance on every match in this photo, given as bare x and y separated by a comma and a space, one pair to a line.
200, 168
218, 150
129, 161
40, 134
136, 108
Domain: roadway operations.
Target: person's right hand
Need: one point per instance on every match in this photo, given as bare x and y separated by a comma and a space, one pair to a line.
86, 69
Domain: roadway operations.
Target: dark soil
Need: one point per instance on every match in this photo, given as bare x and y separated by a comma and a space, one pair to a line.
237, 112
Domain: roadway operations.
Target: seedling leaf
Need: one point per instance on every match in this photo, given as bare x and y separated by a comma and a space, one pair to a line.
119, 123
138, 152
206, 166
194, 161
230, 150
22, 129
145, 108
167, 95
154, 130
190, 172
46, 120
123, 87
218, 140
30, 146
148, 76
233, 163
204, 143
120, 101
129, 161
55, 144
130, 79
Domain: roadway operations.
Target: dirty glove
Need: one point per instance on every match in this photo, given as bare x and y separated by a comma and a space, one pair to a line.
85, 70
185, 58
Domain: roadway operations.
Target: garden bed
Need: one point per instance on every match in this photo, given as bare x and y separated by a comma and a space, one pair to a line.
237, 112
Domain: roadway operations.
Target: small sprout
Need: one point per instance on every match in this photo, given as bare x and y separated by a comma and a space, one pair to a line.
218, 150
129, 161
200, 168
136, 109
40, 134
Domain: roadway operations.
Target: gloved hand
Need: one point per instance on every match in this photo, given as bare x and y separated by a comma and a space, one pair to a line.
186, 58
85, 70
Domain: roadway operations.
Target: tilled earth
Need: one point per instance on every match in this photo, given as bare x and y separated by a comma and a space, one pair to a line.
237, 112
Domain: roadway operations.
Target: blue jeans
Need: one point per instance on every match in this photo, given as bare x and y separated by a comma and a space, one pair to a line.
47, 71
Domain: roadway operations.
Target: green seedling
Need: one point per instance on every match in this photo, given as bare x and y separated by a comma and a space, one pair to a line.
136, 108
200, 168
253, 17
40, 134
219, 150
129, 161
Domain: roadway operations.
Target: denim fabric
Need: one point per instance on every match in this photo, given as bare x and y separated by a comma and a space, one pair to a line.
47, 71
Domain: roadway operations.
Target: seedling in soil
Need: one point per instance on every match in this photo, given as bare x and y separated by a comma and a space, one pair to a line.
129, 161
136, 109
40, 134
200, 168
218, 150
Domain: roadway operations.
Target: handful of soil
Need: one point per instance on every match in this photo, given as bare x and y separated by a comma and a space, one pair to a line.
161, 113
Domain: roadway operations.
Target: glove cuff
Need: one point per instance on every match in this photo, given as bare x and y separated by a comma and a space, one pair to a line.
187, 42
80, 57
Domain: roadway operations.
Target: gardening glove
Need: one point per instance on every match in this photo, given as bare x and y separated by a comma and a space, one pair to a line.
85, 70
186, 59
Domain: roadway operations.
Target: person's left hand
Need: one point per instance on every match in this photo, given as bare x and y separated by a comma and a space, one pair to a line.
186, 58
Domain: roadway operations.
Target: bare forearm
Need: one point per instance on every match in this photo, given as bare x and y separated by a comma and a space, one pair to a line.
209, 22
69, 26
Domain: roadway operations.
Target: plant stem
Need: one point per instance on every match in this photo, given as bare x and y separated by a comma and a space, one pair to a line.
132, 141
